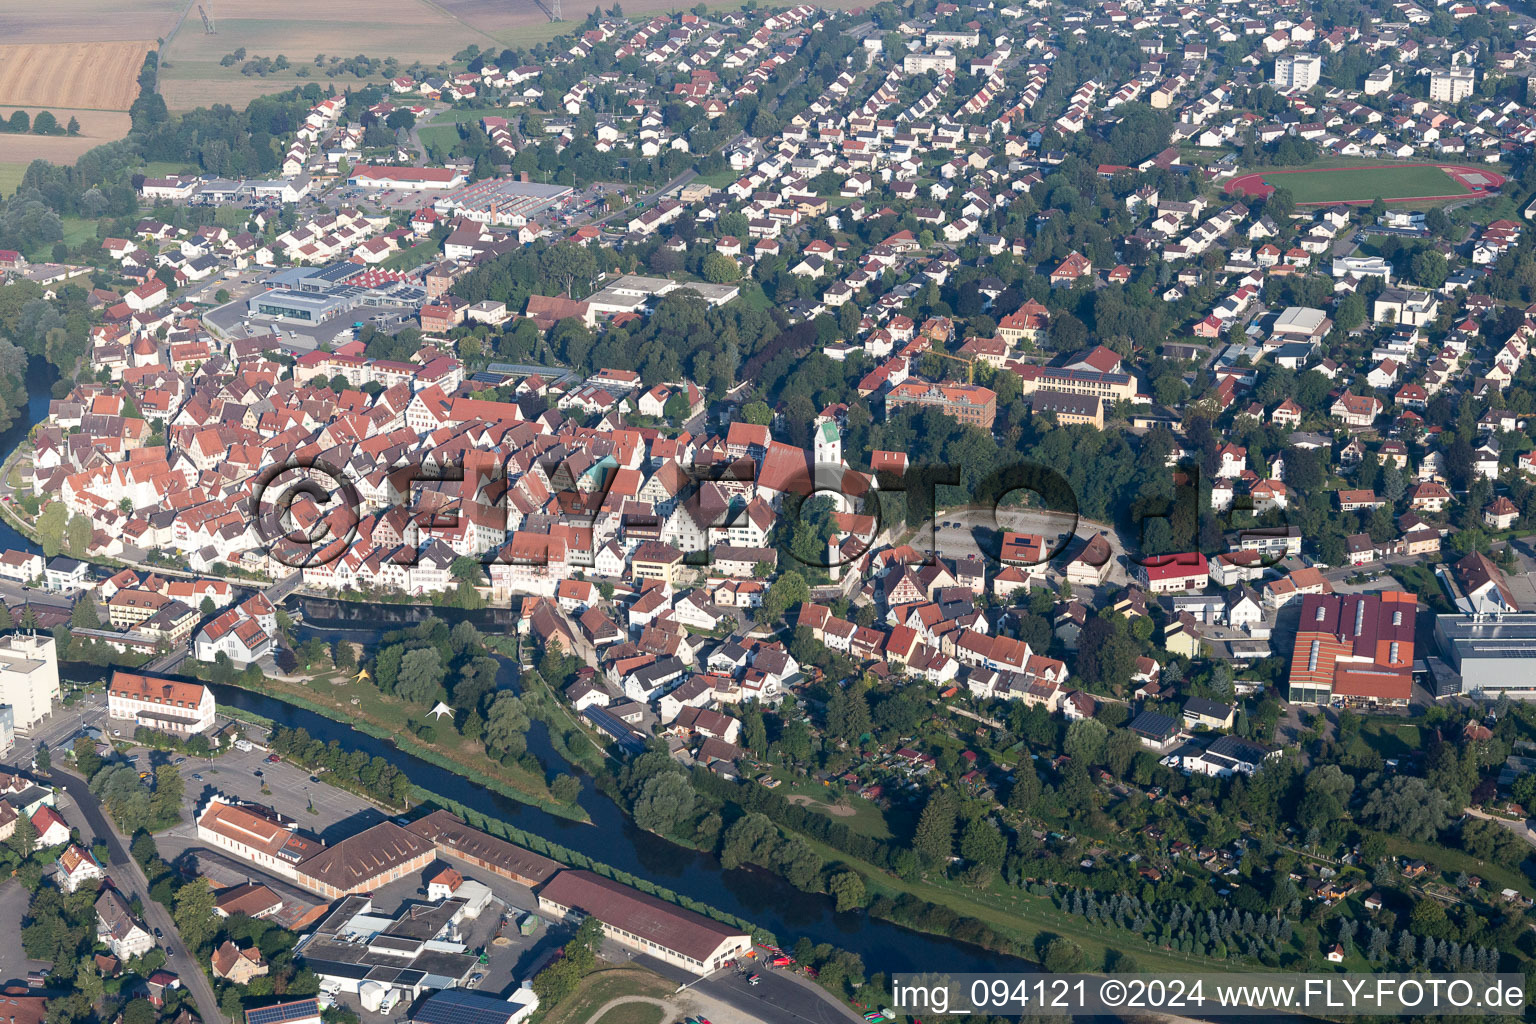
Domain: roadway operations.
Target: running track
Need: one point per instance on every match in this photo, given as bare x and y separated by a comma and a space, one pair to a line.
1254, 185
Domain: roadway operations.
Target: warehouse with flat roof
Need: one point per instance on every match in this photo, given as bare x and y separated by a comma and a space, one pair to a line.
1494, 653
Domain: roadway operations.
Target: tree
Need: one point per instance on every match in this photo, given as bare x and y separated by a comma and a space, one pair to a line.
982, 843
74, 127
165, 804
86, 759
83, 615
664, 802
50, 525
934, 839
757, 413
565, 788
193, 913
19, 123
788, 590
1407, 806
44, 756
718, 268
1085, 741
77, 536
23, 841
506, 722
847, 887
46, 124
1062, 956
421, 675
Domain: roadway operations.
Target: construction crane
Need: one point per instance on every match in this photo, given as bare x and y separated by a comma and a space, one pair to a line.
970, 364
206, 12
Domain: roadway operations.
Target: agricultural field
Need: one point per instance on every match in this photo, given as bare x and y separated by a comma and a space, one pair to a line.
72, 76
1364, 184
96, 128
408, 30
524, 22
76, 21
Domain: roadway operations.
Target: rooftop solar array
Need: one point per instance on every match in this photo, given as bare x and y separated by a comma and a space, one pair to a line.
283, 1012
453, 1006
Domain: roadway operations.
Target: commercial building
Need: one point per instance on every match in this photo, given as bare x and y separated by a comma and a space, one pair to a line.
29, 677
1491, 652
181, 709
455, 839
414, 950
254, 834
644, 923
1354, 649
456, 1006
1451, 86
405, 179
500, 201
969, 403
364, 862
299, 1011
1299, 71
1111, 387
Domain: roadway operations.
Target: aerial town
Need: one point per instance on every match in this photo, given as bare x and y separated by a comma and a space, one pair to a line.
693, 514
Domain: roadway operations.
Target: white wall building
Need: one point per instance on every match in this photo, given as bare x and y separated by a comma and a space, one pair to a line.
29, 677
181, 709
1297, 71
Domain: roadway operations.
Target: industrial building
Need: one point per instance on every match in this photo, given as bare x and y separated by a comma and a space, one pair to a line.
313, 295
414, 950
644, 923
1493, 653
1354, 649
504, 202
456, 1006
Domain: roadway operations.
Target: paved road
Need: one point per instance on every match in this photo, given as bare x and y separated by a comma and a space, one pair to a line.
130, 879
649, 197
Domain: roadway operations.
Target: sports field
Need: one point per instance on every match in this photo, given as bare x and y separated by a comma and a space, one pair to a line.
1392, 183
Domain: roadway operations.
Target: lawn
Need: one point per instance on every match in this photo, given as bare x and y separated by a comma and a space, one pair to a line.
601, 986
439, 136
363, 704
632, 1013
1362, 184
10, 178
866, 818
1391, 737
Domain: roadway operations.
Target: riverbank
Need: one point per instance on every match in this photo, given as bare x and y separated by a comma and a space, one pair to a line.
391, 729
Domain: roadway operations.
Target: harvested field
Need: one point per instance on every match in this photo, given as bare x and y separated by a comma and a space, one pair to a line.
96, 127
75, 21
81, 76
408, 30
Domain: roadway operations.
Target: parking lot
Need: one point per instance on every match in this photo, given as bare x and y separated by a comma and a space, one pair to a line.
337, 813
958, 534
14, 963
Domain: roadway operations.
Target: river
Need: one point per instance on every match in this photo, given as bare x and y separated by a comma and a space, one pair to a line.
41, 376
612, 837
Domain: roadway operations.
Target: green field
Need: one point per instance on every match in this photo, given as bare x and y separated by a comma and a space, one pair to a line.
10, 177
1364, 184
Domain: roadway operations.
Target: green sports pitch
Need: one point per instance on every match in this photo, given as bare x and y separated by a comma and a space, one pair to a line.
1401, 183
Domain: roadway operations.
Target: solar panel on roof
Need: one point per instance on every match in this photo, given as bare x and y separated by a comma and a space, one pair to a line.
283, 1012
453, 1007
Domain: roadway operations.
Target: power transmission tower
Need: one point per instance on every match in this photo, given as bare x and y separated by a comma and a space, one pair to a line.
207, 13
555, 13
